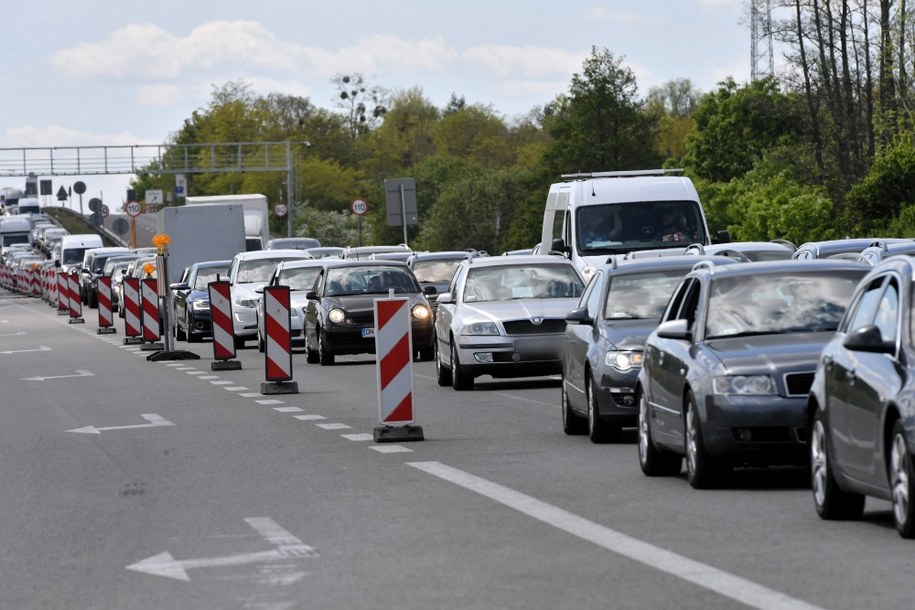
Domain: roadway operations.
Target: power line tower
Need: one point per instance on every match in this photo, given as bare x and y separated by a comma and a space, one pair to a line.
761, 39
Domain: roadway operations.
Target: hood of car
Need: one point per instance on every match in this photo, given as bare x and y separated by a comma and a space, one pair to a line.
628, 334
517, 309
770, 353
365, 302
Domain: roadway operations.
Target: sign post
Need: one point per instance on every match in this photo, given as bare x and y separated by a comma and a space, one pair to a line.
400, 201
359, 208
133, 210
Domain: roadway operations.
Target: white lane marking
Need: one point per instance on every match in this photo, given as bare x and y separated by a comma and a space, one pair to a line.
223, 382
287, 409
184, 368
251, 395
721, 582
19, 351
209, 377
235, 388
153, 419
17, 334
173, 364
196, 373
358, 437
78, 374
270, 401
333, 426
309, 417
390, 449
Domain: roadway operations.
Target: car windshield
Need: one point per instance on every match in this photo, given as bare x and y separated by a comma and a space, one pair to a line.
206, 275
640, 295
73, 256
302, 278
435, 271
776, 304
616, 228
369, 280
257, 270
539, 281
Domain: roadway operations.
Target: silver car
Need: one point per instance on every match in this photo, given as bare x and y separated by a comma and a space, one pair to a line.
504, 317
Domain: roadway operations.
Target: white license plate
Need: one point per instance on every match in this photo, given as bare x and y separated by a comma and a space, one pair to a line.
368, 332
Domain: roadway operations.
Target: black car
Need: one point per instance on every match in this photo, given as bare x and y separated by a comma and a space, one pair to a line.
861, 409
606, 332
191, 300
340, 316
725, 375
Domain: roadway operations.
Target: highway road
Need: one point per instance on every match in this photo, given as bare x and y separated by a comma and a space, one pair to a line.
146, 228
129, 483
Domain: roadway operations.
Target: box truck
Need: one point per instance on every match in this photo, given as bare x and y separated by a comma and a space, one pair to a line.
201, 233
257, 225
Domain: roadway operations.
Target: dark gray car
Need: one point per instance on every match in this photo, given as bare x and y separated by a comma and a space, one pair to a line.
606, 333
726, 374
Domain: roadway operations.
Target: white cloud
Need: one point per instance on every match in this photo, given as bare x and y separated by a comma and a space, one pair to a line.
33, 136
506, 60
160, 95
718, 3
600, 13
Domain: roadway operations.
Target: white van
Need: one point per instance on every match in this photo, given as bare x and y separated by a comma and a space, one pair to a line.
590, 217
73, 248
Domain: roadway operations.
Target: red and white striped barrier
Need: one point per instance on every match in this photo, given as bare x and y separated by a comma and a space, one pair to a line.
394, 371
63, 294
278, 342
223, 330
76, 306
105, 314
35, 282
132, 327
149, 303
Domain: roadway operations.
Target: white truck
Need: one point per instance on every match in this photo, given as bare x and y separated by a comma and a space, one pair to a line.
257, 219
15, 230
590, 217
201, 233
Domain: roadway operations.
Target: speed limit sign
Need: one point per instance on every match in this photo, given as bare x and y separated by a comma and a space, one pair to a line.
359, 207
280, 210
133, 208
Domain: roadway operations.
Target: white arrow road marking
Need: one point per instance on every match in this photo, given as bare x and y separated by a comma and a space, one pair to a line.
19, 334
43, 348
288, 547
153, 419
78, 374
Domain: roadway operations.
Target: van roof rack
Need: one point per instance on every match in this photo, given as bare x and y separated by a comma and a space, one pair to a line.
623, 174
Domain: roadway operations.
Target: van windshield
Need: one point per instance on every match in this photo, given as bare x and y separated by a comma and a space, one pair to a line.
72, 256
615, 228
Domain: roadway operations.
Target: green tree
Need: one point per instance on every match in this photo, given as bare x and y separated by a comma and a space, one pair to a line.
475, 133
404, 139
877, 201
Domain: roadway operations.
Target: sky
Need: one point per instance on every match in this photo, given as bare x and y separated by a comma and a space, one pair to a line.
120, 73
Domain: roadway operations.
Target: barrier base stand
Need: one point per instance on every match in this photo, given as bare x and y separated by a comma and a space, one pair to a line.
152, 347
179, 354
280, 387
132, 340
110, 330
397, 434
76, 321
225, 365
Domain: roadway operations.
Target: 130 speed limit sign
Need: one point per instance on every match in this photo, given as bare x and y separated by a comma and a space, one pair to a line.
359, 207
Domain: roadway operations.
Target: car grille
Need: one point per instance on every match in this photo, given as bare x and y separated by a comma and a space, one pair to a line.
798, 384
526, 327
361, 317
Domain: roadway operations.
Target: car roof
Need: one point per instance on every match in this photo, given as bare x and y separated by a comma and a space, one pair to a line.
301, 264
266, 254
684, 261
208, 264
786, 266
344, 262
519, 260
442, 255
849, 244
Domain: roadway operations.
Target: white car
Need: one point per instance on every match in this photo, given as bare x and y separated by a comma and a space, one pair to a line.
504, 316
248, 272
300, 277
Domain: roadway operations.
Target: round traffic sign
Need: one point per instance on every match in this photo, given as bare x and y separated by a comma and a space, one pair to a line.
133, 208
280, 210
95, 204
79, 188
104, 211
359, 207
120, 226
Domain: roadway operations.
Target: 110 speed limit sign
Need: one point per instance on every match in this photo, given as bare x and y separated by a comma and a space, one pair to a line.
359, 207
133, 208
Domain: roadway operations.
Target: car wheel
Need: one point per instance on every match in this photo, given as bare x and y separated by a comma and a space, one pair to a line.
239, 342
311, 355
460, 380
92, 298
180, 335
324, 356
599, 431
701, 470
442, 372
831, 501
572, 424
192, 338
653, 461
902, 484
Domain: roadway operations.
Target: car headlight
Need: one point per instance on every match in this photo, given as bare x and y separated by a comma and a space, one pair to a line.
336, 316
623, 361
421, 312
200, 305
744, 384
246, 302
480, 328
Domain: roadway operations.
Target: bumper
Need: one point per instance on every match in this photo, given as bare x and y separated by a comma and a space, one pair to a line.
342, 340
499, 356
200, 323
244, 321
616, 400
757, 429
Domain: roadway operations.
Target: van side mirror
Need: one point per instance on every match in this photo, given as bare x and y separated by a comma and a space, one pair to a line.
724, 237
558, 245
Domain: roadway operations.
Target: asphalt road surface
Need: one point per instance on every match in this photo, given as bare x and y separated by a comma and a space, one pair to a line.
129, 483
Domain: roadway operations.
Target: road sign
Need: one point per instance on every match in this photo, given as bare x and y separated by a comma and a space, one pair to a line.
95, 204
280, 210
400, 200
359, 207
105, 211
133, 208
79, 188
151, 208
120, 226
153, 196
62, 194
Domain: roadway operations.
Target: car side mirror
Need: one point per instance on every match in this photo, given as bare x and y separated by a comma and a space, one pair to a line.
444, 298
724, 237
579, 315
311, 295
430, 291
179, 286
868, 339
558, 245
675, 329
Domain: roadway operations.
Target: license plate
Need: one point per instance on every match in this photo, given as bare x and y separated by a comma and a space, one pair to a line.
368, 332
